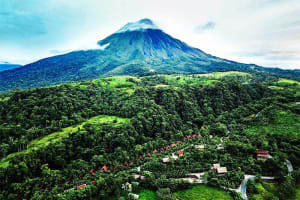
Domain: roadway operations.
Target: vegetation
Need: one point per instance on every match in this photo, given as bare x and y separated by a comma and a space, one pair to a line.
147, 195
104, 133
202, 192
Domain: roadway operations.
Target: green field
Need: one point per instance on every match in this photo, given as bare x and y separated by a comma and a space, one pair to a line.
56, 136
117, 81
147, 195
205, 79
285, 122
202, 192
287, 82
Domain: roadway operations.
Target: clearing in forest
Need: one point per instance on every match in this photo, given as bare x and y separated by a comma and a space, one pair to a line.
203, 192
56, 136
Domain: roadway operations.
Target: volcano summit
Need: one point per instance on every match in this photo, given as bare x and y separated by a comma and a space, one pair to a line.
137, 48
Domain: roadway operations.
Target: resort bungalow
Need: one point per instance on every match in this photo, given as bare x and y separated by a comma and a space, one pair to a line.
92, 171
133, 196
104, 168
141, 158
216, 166
137, 176
127, 187
126, 164
81, 186
200, 147
221, 170
180, 153
262, 154
168, 159
178, 142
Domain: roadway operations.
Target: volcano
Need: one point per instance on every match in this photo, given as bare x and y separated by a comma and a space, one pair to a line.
137, 48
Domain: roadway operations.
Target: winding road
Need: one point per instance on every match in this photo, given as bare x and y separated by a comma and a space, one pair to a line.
242, 188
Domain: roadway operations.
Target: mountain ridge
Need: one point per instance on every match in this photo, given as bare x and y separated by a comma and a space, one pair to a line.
140, 50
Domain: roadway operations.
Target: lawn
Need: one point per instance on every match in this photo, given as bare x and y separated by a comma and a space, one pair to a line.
53, 137
203, 192
147, 195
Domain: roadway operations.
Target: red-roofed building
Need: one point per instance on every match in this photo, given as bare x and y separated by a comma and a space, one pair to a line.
104, 168
141, 158
262, 154
180, 153
188, 137
162, 149
155, 151
178, 142
173, 145
184, 138
194, 135
126, 164
167, 147
136, 176
92, 171
148, 155
198, 136
93, 182
80, 186
133, 160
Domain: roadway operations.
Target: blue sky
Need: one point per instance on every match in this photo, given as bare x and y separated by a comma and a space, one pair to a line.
264, 32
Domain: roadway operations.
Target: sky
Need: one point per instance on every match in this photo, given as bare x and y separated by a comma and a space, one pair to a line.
263, 32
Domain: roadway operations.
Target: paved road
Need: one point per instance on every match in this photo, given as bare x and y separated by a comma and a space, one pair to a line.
289, 166
242, 188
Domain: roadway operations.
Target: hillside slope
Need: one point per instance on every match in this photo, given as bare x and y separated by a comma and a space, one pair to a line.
137, 48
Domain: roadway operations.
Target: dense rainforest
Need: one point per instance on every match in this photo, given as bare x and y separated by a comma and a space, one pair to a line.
102, 133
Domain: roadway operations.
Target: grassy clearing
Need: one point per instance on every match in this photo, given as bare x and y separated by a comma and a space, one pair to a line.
218, 75
147, 195
205, 79
4, 99
203, 192
56, 136
287, 82
117, 81
275, 87
285, 122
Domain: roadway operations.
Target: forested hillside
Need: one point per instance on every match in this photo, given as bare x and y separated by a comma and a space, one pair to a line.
104, 132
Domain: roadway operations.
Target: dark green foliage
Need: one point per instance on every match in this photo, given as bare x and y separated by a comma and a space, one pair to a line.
159, 116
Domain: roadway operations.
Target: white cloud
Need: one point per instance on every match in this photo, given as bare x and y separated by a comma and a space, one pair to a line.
246, 31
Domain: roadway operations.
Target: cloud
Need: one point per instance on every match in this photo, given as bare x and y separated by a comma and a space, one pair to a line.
205, 27
58, 51
258, 30
17, 25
